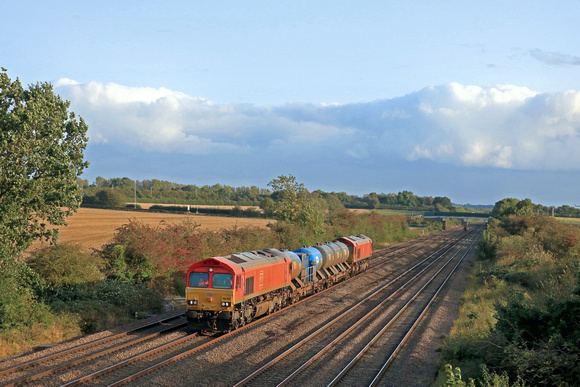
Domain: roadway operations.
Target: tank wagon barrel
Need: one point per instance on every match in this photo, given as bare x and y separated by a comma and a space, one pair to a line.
224, 293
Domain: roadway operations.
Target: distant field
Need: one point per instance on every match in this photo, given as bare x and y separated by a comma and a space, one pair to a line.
92, 228
575, 221
398, 212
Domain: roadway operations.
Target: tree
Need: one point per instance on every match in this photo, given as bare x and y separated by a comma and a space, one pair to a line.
512, 206
407, 199
525, 207
293, 204
443, 201
504, 207
108, 197
372, 200
41, 156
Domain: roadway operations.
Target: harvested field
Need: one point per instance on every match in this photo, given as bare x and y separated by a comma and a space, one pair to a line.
92, 228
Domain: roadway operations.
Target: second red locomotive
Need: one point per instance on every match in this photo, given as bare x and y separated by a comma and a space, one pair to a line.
224, 293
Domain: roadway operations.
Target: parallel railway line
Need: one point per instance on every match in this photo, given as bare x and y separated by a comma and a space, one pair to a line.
151, 358
328, 344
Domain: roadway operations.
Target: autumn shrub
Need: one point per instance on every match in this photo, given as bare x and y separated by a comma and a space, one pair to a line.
141, 253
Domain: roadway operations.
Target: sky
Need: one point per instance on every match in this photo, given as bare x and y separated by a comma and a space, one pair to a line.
476, 101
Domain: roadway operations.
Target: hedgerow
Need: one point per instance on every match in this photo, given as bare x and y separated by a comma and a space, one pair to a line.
520, 314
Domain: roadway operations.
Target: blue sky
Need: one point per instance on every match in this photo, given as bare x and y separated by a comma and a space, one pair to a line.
476, 101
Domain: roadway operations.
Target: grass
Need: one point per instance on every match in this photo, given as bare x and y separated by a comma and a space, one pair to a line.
15, 341
398, 212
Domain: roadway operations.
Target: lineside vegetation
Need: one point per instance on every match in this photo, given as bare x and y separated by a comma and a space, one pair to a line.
518, 324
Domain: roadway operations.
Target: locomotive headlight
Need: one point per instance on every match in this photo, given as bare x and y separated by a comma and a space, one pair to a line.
226, 304
192, 302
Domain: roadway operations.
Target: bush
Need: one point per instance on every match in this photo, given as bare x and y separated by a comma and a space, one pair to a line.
104, 304
66, 264
19, 306
534, 337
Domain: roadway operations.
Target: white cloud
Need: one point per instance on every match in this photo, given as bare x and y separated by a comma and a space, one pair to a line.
503, 126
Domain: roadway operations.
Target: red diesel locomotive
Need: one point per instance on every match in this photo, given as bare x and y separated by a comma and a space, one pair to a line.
224, 293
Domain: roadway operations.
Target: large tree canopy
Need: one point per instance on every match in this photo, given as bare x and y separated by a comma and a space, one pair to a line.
41, 156
512, 206
294, 204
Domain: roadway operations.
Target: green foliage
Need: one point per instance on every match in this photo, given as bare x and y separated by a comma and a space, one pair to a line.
511, 206
19, 306
453, 377
65, 264
407, 199
103, 304
110, 198
106, 197
129, 256
42, 155
528, 277
504, 207
487, 379
294, 205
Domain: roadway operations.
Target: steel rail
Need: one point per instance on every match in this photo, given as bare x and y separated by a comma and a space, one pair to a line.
223, 337
345, 370
133, 359
414, 326
72, 363
442, 250
103, 340
372, 312
197, 348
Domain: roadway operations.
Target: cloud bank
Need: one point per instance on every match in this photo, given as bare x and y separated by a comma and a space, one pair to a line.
500, 126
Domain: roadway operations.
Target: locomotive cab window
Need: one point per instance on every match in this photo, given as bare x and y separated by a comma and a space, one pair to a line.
198, 280
222, 281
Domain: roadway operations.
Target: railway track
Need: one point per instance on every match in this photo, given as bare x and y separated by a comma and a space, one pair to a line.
365, 322
240, 353
57, 368
127, 357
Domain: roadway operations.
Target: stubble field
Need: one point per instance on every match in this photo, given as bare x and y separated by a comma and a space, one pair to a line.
92, 228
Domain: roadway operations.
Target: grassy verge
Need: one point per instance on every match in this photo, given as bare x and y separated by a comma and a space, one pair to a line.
518, 322
25, 339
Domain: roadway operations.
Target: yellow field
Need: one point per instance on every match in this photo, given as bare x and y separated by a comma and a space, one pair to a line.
573, 221
92, 228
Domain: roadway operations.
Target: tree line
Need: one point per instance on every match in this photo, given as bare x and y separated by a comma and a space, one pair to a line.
116, 191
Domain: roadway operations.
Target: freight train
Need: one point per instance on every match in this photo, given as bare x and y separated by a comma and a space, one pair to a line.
224, 293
